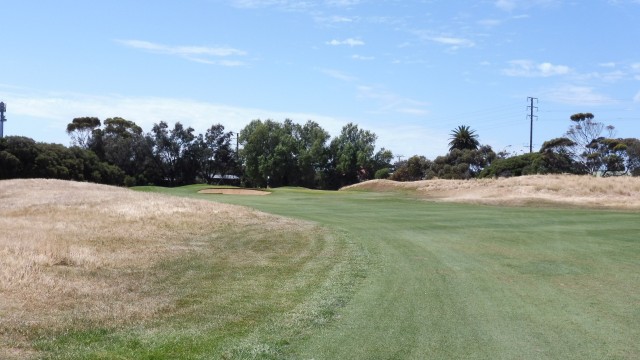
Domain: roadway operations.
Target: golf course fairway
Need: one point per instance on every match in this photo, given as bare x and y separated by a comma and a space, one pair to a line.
455, 281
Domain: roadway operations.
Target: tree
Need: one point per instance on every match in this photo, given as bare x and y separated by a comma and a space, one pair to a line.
584, 133
122, 143
215, 154
21, 157
461, 164
382, 159
413, 169
81, 129
556, 158
518, 165
633, 156
352, 156
10, 165
463, 138
313, 154
269, 153
173, 151
610, 156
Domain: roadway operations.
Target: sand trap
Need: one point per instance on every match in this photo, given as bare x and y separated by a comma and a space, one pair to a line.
234, 192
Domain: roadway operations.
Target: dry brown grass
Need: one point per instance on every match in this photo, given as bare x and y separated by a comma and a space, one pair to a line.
570, 190
84, 252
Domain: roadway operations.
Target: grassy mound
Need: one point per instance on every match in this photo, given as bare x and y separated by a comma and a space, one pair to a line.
569, 190
90, 270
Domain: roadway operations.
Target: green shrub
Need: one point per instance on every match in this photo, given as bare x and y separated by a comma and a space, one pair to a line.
383, 173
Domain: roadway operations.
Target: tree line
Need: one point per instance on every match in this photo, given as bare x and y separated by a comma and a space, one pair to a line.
587, 147
267, 153
270, 153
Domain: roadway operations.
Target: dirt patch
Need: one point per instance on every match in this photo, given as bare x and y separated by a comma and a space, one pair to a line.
538, 190
234, 192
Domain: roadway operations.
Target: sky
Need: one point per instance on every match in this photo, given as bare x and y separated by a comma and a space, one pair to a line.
409, 71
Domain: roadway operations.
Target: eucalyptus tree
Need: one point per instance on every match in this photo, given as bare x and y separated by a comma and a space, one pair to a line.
585, 133
81, 130
122, 142
215, 155
173, 152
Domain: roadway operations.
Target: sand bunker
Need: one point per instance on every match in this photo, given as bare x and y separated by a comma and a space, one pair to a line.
234, 192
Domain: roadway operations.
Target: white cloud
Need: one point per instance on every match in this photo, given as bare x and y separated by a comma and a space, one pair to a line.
528, 68
339, 75
490, 22
510, 5
578, 95
454, 41
349, 42
389, 102
287, 5
636, 69
506, 5
54, 111
362, 57
342, 3
201, 54
334, 19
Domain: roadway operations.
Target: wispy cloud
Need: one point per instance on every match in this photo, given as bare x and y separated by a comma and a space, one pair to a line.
389, 102
362, 57
454, 41
201, 54
636, 69
55, 110
339, 75
490, 22
348, 42
335, 19
342, 3
528, 68
610, 64
578, 95
506, 5
294, 5
288, 5
510, 5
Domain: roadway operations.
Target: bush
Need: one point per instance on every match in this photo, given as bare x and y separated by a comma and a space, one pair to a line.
129, 181
526, 164
383, 173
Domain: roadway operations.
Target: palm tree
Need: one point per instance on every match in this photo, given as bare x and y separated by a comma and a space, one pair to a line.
463, 138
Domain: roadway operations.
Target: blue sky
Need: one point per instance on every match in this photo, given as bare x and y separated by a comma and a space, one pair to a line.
410, 71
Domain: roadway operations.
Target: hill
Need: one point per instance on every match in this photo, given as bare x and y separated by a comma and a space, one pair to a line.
565, 190
75, 257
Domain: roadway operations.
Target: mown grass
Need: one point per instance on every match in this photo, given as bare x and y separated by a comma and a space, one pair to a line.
92, 272
385, 276
456, 281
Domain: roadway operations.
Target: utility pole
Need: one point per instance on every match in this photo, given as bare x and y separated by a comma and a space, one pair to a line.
237, 146
531, 116
3, 108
